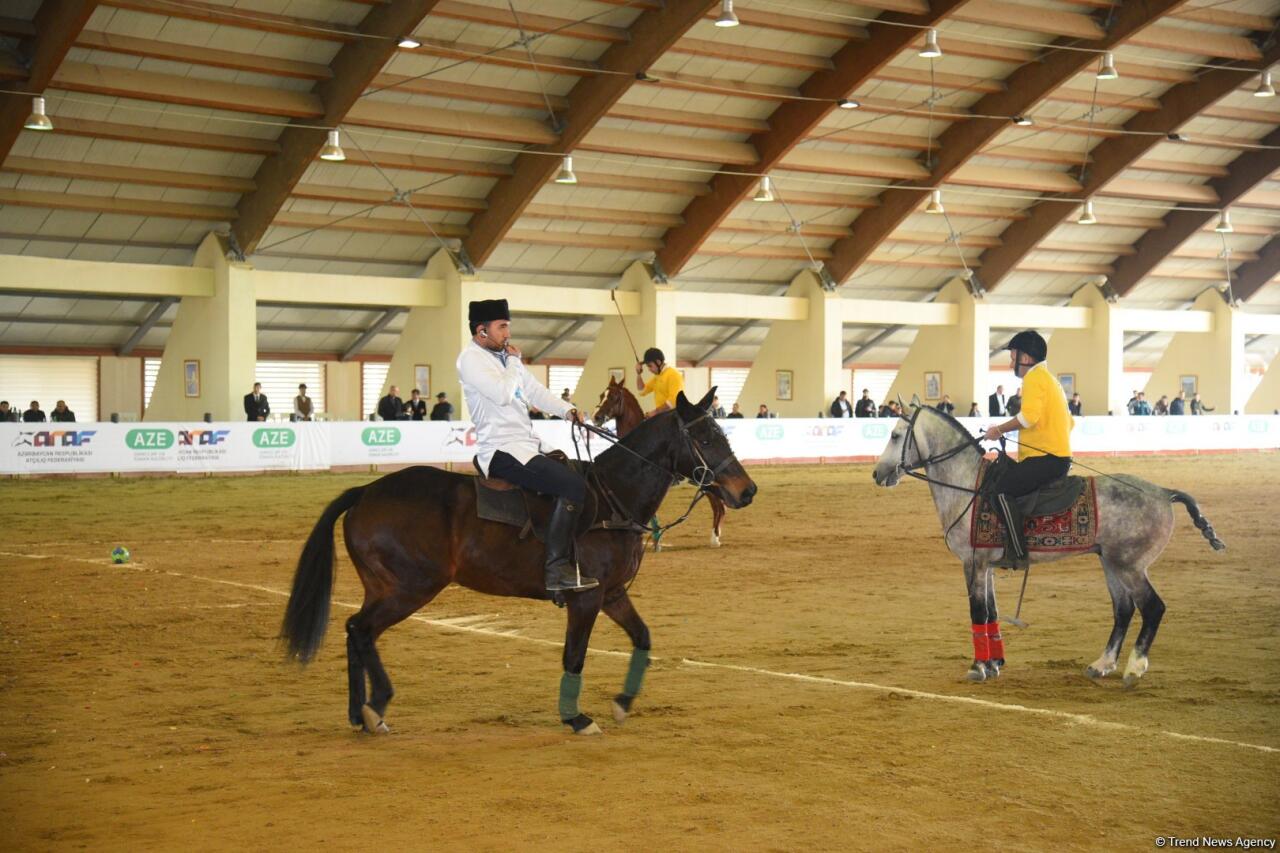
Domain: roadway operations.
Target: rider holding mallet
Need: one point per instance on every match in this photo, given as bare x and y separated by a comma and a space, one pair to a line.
665, 384
499, 392
1044, 440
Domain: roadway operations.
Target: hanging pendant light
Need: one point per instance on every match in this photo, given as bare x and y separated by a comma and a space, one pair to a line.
935, 203
1086, 215
1265, 89
409, 43
931, 49
848, 104
566, 175
37, 120
727, 18
1023, 121
1107, 70
332, 149
1224, 223
765, 191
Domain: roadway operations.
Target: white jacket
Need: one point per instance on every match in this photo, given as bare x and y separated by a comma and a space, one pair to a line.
499, 392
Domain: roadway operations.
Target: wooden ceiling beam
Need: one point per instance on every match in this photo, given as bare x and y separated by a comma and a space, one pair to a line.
1251, 277
353, 68
53, 32
418, 163
651, 35
247, 19
1248, 171
449, 122
354, 195
164, 136
961, 141
584, 241
194, 55
366, 224
1112, 157
565, 212
82, 171
109, 204
793, 121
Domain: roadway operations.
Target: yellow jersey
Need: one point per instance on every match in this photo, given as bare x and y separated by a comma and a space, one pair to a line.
1046, 421
664, 387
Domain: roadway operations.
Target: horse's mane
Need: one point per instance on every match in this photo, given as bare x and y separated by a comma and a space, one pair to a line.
955, 425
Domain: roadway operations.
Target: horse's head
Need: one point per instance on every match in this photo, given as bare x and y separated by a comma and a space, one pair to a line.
610, 403
706, 458
907, 445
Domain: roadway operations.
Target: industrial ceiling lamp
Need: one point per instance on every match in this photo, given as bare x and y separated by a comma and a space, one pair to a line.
727, 18
1023, 121
566, 175
931, 50
1086, 215
765, 191
848, 104
1265, 89
935, 203
1224, 223
1107, 71
37, 120
332, 149
409, 43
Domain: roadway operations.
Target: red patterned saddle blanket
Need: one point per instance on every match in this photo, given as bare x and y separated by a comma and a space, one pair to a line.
1072, 529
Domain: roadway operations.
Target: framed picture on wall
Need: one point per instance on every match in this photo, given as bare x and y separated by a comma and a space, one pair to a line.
1068, 383
422, 379
191, 377
618, 374
784, 381
1188, 384
933, 386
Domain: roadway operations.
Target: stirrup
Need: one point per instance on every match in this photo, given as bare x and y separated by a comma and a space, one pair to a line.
558, 579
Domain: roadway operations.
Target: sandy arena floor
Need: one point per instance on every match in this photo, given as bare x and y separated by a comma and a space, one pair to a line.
147, 706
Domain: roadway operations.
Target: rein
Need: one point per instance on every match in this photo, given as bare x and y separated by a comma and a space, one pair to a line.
937, 458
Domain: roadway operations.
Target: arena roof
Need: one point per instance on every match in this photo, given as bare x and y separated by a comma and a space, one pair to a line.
175, 117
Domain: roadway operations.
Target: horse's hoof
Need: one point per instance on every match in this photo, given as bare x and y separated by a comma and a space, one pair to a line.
373, 723
1131, 680
715, 541
977, 672
619, 715
583, 725
621, 707
992, 668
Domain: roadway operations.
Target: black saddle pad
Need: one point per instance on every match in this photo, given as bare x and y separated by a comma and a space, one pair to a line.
523, 508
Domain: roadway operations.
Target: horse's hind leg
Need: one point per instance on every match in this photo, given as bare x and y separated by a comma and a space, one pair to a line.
717, 516
621, 610
1152, 608
1122, 610
981, 613
583, 608
363, 630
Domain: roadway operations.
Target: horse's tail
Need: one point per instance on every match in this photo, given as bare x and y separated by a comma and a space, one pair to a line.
307, 615
1193, 509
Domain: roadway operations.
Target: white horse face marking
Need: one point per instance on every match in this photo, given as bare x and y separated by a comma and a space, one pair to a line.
888, 470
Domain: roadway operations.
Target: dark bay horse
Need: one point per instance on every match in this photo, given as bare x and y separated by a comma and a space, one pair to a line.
413, 532
1135, 523
619, 405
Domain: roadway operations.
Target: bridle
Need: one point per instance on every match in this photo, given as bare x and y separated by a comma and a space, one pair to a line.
914, 469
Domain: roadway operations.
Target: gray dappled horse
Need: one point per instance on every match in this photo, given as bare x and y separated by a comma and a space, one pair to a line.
1135, 524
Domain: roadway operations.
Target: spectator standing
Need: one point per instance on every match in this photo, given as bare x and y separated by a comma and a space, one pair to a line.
1199, 408
416, 408
391, 407
737, 412
443, 409
1075, 405
840, 407
33, 415
62, 414
763, 411
1140, 407
945, 405
302, 408
974, 411
1162, 406
717, 410
256, 407
866, 407
997, 405
1014, 404
1178, 405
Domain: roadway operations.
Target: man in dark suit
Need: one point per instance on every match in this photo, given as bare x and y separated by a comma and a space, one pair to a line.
33, 415
1015, 403
391, 407
866, 407
255, 404
416, 407
443, 409
840, 407
997, 406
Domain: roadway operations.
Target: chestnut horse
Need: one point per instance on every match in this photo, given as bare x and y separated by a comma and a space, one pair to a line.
411, 533
619, 405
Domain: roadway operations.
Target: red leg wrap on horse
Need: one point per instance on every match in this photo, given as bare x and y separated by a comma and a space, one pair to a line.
994, 640
981, 646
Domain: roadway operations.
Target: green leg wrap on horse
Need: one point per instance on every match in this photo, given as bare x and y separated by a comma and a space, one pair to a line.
635, 672
570, 690
656, 527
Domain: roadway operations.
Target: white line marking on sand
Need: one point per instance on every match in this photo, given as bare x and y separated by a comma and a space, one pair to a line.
452, 624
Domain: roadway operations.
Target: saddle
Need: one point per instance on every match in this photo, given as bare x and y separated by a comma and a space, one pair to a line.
506, 503
1061, 515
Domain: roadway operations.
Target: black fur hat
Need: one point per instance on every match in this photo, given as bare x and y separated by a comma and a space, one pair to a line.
486, 311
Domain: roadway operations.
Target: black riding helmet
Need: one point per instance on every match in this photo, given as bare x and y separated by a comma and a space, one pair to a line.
1031, 343
653, 355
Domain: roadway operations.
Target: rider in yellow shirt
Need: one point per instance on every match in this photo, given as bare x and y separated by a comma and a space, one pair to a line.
1044, 440
665, 384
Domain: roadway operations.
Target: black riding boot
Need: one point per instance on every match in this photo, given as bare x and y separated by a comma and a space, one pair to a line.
562, 573
1015, 554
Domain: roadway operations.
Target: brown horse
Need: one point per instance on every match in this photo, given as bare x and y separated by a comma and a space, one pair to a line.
413, 532
619, 405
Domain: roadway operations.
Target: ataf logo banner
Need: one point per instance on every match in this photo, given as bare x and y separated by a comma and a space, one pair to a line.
202, 437
54, 438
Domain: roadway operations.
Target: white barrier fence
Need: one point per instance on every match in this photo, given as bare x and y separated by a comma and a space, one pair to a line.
90, 448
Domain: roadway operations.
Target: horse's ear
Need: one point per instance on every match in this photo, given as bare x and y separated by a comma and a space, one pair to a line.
682, 402
705, 402
915, 401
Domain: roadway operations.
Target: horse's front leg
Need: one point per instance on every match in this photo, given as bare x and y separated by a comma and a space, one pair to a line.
583, 608
717, 517
977, 575
620, 609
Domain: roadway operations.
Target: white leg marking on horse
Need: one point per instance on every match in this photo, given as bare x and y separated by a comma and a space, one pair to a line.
1102, 667
715, 539
1136, 669
619, 714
